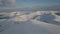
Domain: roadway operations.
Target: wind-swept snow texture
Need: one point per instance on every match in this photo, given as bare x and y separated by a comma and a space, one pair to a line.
21, 22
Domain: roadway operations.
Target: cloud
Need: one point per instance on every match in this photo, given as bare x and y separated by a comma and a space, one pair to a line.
7, 3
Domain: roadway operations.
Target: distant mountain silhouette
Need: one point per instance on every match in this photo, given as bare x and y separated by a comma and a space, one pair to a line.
57, 14
4, 17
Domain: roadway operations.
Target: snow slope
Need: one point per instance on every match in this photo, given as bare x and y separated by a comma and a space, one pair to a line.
23, 23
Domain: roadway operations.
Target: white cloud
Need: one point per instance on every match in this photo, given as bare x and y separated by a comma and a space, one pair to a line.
7, 3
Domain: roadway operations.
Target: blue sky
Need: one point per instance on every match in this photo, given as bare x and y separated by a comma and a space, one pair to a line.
32, 4
37, 2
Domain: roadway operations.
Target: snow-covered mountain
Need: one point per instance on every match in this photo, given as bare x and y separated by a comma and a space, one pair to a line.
38, 22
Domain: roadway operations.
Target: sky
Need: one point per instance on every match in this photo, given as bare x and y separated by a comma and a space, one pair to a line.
38, 2
31, 4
